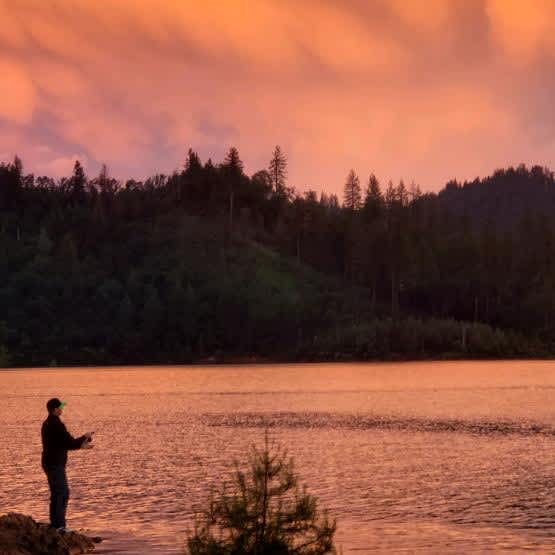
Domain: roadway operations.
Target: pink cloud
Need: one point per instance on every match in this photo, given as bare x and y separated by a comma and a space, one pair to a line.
395, 87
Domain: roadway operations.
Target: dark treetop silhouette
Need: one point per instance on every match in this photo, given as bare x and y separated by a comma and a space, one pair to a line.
209, 262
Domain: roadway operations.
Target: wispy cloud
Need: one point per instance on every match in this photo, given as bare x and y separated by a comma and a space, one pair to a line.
423, 89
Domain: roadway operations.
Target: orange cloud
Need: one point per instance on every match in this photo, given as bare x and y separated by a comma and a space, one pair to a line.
522, 27
258, 32
426, 15
17, 92
384, 86
11, 32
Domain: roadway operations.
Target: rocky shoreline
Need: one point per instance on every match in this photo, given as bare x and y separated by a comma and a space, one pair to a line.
21, 535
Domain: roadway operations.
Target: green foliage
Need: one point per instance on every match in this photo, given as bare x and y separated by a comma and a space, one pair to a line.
416, 338
263, 512
209, 262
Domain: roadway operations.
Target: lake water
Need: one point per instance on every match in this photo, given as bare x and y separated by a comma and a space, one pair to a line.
438, 457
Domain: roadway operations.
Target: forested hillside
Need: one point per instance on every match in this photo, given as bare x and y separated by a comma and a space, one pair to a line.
210, 263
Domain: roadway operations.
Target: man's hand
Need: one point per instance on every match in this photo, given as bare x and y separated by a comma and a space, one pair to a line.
88, 439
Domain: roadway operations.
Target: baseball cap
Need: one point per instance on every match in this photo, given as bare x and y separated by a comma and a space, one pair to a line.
55, 403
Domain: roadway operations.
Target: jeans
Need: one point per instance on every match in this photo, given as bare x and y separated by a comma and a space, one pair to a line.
59, 495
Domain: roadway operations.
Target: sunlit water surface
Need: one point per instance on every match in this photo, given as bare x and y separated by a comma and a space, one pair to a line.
455, 457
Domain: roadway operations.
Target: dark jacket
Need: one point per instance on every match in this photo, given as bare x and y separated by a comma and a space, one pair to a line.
56, 441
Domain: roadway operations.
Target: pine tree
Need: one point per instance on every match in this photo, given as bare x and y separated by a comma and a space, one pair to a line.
278, 171
193, 163
233, 162
232, 171
390, 195
373, 199
352, 193
11, 178
17, 166
402, 194
78, 181
415, 192
263, 512
188, 186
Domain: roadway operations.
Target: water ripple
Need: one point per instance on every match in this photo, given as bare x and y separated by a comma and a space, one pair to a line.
361, 422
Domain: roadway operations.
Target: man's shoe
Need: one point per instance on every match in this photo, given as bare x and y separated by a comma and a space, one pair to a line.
64, 530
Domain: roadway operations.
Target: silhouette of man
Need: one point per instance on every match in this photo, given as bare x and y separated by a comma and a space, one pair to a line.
56, 441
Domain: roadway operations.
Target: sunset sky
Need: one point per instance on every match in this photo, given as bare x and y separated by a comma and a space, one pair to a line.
414, 89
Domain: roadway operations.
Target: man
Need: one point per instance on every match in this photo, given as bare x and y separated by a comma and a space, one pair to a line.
56, 441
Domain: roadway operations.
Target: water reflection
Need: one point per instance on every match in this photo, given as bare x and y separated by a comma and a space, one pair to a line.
436, 458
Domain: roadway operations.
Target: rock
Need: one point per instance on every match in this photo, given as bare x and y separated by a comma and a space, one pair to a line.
21, 535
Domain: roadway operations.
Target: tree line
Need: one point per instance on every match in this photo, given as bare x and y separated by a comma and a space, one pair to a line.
209, 262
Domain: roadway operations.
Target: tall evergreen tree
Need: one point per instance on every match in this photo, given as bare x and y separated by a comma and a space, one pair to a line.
414, 191
233, 163
278, 171
17, 166
232, 172
10, 184
78, 182
193, 163
390, 195
373, 199
352, 194
107, 185
402, 194
188, 186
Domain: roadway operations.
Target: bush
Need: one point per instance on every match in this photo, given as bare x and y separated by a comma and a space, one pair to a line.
263, 512
419, 338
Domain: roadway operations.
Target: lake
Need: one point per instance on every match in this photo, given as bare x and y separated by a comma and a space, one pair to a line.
430, 457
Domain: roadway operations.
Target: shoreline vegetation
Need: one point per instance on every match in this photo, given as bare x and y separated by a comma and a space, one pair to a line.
211, 265
404, 341
409, 340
